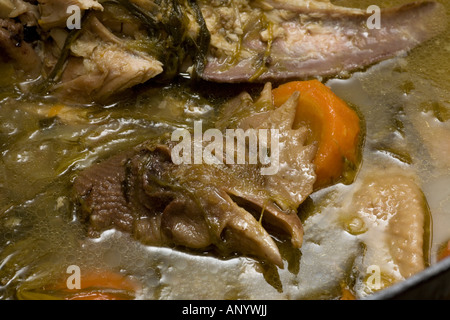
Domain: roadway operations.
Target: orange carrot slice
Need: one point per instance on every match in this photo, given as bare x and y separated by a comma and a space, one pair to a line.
333, 125
96, 285
444, 252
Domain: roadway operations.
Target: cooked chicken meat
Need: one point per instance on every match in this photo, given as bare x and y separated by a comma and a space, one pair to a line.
229, 207
54, 12
101, 65
389, 213
284, 40
14, 49
220, 41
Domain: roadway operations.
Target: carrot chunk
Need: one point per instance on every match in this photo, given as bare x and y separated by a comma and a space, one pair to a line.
333, 125
444, 252
96, 285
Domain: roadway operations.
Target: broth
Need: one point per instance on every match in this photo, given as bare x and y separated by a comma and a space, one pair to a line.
405, 104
